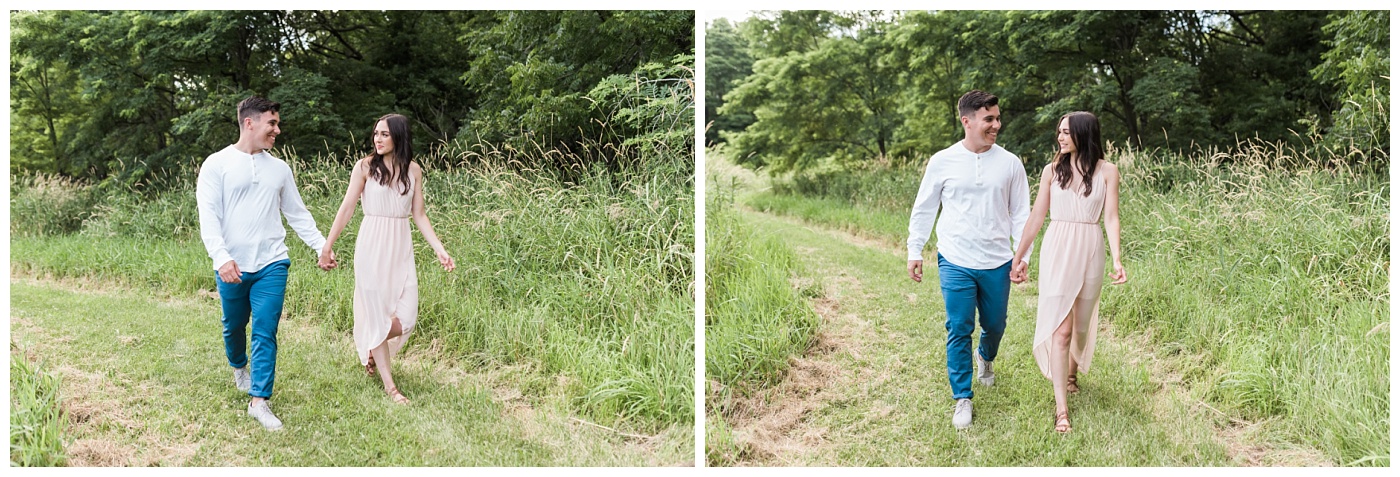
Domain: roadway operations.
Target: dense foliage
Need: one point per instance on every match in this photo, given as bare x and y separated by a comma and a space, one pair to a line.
135, 95
818, 87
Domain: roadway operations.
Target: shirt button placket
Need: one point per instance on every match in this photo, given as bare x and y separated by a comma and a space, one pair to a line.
979, 169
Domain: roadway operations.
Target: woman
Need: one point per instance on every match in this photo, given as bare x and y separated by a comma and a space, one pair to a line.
390, 185
1074, 189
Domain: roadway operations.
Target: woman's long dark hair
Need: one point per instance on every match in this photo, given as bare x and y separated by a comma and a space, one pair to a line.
1088, 149
403, 153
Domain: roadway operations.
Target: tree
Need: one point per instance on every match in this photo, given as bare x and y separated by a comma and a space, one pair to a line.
532, 71
134, 96
834, 99
727, 62
1357, 64
1155, 79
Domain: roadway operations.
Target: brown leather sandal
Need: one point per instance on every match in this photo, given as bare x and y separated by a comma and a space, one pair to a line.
369, 367
397, 396
1062, 422
1073, 385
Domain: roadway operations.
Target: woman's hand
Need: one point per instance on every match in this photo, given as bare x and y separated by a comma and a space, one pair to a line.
1119, 275
327, 259
446, 260
1019, 270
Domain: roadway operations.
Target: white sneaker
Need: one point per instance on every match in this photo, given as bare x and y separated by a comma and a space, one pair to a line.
984, 370
962, 414
242, 379
263, 414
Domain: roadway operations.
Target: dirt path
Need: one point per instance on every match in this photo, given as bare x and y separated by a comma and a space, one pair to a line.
144, 381
873, 389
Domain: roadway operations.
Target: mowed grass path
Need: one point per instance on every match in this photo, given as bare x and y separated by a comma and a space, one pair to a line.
144, 381
873, 391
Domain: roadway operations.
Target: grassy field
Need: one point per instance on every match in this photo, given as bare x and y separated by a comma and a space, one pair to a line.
143, 381
36, 419
1259, 285
578, 280
754, 316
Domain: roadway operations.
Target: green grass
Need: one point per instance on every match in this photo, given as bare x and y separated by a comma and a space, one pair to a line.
1259, 274
145, 382
754, 318
837, 214
886, 400
582, 276
1275, 282
36, 421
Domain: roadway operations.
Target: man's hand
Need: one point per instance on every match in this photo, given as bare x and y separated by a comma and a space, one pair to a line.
1020, 271
229, 273
916, 270
327, 259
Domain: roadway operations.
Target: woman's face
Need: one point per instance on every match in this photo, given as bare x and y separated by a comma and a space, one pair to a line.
383, 143
1062, 135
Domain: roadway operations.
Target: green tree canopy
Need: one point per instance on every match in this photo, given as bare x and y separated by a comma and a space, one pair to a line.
727, 62
835, 87
134, 95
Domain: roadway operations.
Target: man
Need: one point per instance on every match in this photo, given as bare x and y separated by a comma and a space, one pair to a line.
240, 192
985, 198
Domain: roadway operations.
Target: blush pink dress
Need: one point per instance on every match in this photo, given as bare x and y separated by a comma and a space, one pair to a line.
1071, 270
386, 283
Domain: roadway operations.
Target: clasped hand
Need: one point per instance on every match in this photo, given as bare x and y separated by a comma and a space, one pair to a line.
327, 259
1020, 271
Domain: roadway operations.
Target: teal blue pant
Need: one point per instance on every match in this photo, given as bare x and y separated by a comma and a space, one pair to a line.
259, 300
970, 293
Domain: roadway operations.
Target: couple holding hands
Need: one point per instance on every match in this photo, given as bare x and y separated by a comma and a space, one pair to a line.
985, 201
242, 194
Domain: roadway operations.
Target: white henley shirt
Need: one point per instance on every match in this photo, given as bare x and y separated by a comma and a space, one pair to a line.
985, 200
240, 196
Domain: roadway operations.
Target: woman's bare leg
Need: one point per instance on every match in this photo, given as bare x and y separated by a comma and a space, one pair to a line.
1060, 362
381, 360
395, 330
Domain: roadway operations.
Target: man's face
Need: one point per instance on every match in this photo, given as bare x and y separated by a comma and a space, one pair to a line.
264, 128
983, 125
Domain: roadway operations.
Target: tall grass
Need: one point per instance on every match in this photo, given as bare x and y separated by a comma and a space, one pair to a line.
865, 199
1261, 272
46, 204
754, 317
582, 274
35, 416
1271, 282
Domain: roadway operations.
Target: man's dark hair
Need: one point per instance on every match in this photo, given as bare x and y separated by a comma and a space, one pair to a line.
972, 101
254, 106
